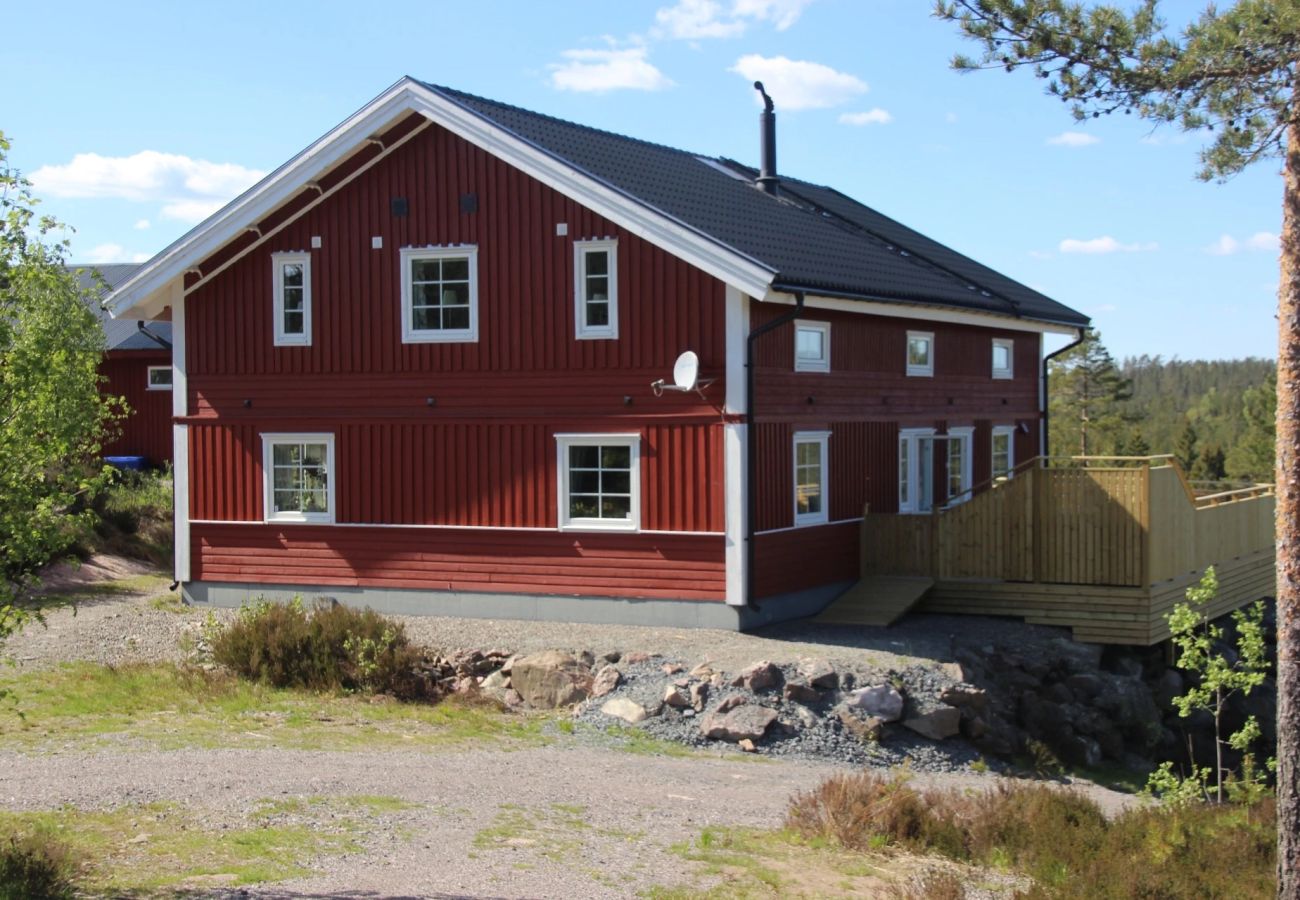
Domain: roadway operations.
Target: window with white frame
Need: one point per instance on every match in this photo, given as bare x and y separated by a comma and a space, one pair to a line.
959, 464
920, 353
811, 496
812, 346
915, 470
298, 477
1004, 451
1003, 357
599, 481
291, 287
439, 294
160, 378
595, 270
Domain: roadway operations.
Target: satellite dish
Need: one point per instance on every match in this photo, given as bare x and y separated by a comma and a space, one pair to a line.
686, 371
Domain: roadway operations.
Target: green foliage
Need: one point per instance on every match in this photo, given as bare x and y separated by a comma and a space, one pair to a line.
1185, 447
133, 513
1087, 405
35, 866
1253, 452
329, 648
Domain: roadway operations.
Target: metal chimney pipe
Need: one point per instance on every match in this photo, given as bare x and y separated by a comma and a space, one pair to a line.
767, 179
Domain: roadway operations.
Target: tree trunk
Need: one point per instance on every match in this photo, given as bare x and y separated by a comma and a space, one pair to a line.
1288, 533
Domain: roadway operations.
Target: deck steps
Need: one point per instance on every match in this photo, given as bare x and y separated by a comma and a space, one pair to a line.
876, 600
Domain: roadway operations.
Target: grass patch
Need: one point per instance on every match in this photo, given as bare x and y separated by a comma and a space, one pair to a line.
642, 743
134, 518
171, 707
554, 832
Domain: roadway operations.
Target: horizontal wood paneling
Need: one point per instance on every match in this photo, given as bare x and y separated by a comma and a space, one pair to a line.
611, 565
147, 431
803, 558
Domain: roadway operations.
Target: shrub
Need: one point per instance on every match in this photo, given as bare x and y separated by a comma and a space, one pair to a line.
329, 648
34, 867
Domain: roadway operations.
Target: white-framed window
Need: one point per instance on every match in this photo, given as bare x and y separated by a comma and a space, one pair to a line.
1004, 450
811, 478
599, 481
920, 353
1004, 351
595, 289
159, 378
439, 294
812, 346
298, 477
291, 288
915, 470
959, 464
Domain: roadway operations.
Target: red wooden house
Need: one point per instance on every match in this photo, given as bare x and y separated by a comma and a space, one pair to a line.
413, 369
138, 367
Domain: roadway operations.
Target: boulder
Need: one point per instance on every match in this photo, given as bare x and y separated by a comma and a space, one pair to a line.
638, 656
699, 695
761, 676
730, 703
1084, 685
703, 672
606, 680
586, 657
1057, 692
677, 698
1168, 686
938, 724
800, 692
550, 679
672, 668
807, 718
625, 709
747, 721
867, 730
964, 696
512, 699
612, 656
882, 701
819, 673
495, 681
1075, 657
1078, 749
747, 745
953, 670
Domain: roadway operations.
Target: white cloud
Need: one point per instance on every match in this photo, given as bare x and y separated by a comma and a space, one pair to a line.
692, 20
144, 176
113, 253
781, 13
875, 116
798, 84
612, 69
1105, 244
1073, 139
141, 224
1227, 245
191, 211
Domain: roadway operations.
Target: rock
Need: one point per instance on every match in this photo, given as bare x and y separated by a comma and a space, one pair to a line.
464, 685
1040, 717
1075, 657
819, 673
512, 699
672, 668
964, 696
699, 695
729, 704
736, 724
1078, 750
495, 681
938, 724
974, 727
703, 672
717, 679
1057, 692
1126, 666
1168, 686
800, 692
1084, 685
612, 656
550, 679
807, 718
637, 657
586, 657
142, 838
761, 676
747, 745
882, 701
953, 670
606, 680
677, 698
867, 730
509, 664
625, 709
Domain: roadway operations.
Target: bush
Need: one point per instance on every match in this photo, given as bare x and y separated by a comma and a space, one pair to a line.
133, 517
34, 867
331, 648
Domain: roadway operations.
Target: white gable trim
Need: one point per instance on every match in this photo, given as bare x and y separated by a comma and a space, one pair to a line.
901, 309
147, 288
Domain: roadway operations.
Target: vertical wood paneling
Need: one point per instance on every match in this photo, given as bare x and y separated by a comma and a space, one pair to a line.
147, 430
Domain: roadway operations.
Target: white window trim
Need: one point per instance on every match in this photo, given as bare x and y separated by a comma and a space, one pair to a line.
822, 439
278, 261
148, 379
926, 370
410, 335
1009, 371
562, 444
813, 365
964, 435
583, 331
1010, 432
269, 439
913, 469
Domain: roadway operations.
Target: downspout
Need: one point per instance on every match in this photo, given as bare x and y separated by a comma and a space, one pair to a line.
751, 459
1047, 400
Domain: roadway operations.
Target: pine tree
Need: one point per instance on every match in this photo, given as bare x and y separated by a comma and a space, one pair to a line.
1087, 403
1252, 456
1135, 445
1185, 449
1211, 464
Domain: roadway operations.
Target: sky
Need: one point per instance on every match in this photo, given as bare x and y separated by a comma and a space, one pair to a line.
135, 120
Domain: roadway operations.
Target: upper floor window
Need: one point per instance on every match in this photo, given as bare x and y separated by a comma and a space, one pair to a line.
920, 353
959, 464
1003, 357
297, 472
439, 294
812, 346
160, 378
810, 481
292, 292
599, 481
595, 268
1004, 451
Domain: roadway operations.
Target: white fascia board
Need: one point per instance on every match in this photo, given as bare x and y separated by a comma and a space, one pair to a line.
924, 312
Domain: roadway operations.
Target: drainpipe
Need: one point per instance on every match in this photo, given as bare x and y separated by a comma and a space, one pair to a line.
751, 459
1043, 442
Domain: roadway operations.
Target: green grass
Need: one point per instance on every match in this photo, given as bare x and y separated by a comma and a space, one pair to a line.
135, 517
169, 707
554, 832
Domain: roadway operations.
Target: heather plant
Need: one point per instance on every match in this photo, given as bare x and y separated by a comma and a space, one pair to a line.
36, 867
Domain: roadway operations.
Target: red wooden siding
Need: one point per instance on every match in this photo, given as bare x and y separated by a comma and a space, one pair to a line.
687, 567
147, 431
790, 561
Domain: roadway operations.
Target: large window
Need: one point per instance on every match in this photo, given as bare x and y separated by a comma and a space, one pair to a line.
160, 378
812, 346
439, 294
292, 291
595, 265
1004, 450
600, 482
1003, 357
959, 464
298, 473
920, 353
810, 478
915, 470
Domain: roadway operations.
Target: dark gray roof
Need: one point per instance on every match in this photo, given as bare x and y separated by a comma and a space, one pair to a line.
120, 334
813, 237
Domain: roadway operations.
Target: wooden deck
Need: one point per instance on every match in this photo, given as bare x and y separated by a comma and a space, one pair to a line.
1104, 547
877, 600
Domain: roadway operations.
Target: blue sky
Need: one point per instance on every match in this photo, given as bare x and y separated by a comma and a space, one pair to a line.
135, 119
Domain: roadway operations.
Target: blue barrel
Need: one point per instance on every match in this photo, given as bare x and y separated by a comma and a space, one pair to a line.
135, 463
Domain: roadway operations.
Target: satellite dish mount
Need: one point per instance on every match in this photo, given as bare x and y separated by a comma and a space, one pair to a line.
686, 376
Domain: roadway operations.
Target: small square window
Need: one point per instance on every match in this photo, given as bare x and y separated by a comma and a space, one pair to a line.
595, 289
292, 298
298, 477
920, 353
160, 378
599, 482
439, 294
812, 346
811, 497
1003, 357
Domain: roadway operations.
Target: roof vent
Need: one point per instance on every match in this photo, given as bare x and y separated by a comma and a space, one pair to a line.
767, 179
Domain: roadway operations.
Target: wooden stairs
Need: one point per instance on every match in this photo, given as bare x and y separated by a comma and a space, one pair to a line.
876, 600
